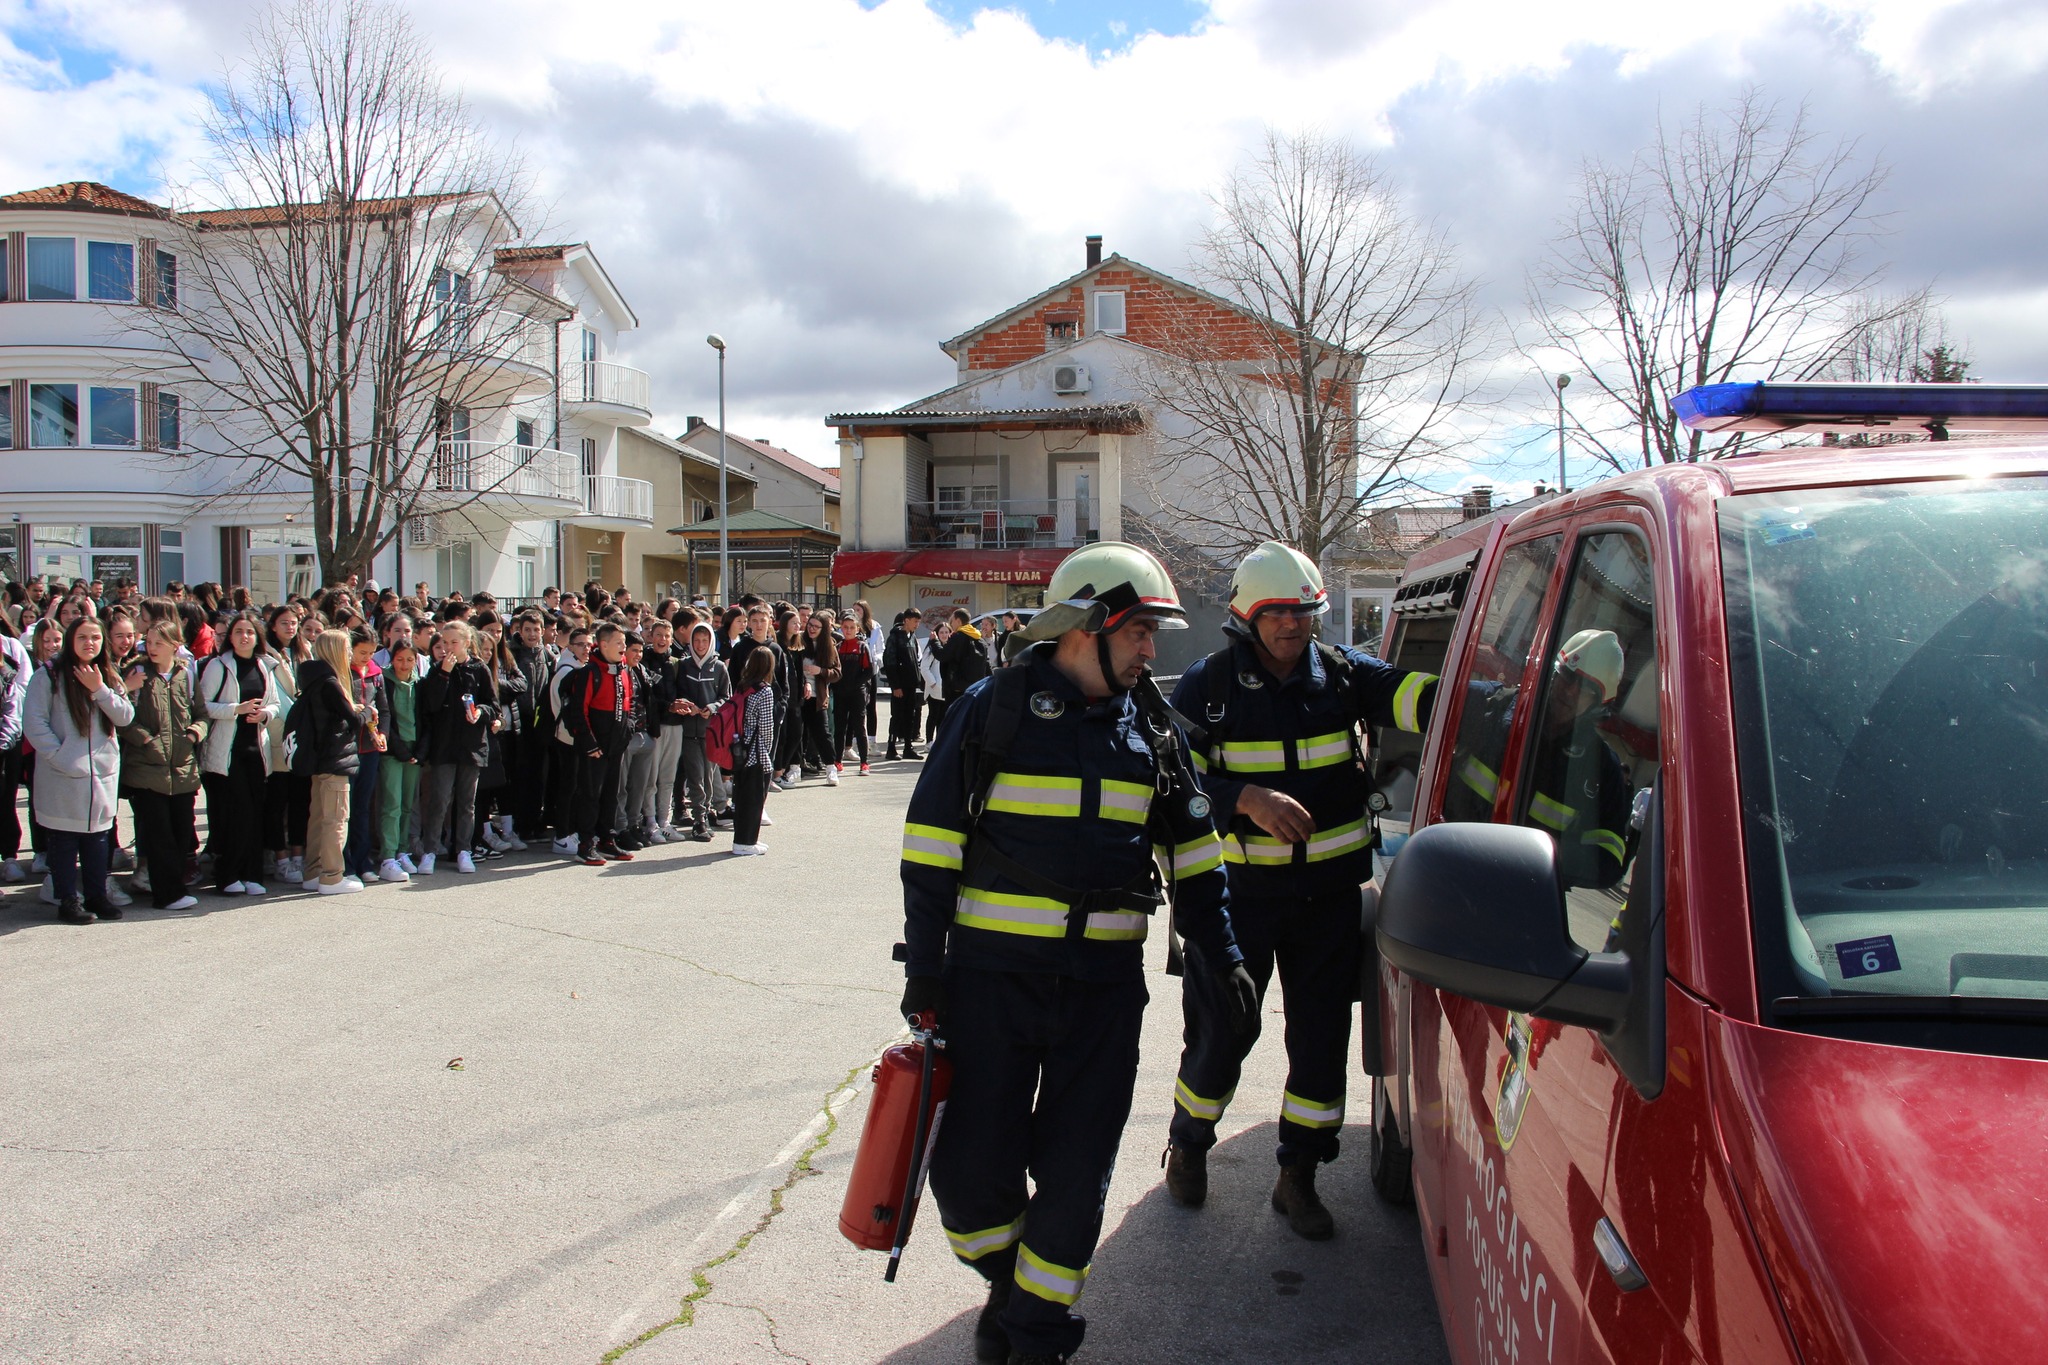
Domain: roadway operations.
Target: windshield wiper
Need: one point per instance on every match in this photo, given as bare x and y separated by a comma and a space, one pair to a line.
1967, 1007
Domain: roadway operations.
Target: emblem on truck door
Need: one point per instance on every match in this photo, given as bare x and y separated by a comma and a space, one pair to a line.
1512, 1100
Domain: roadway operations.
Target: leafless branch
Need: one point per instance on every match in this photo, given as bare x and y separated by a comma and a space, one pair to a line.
1731, 249
1285, 428
335, 333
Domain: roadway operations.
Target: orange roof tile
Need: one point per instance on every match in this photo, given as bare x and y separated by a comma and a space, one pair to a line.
88, 195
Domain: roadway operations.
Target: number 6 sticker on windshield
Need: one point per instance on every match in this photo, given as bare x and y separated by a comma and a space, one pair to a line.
1867, 956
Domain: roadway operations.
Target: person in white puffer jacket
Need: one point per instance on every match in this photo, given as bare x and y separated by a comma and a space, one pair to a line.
71, 715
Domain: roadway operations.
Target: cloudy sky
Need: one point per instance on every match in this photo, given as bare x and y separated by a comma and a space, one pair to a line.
837, 185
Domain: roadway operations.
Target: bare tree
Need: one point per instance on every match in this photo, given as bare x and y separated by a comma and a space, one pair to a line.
342, 332
1731, 249
1354, 357
1900, 341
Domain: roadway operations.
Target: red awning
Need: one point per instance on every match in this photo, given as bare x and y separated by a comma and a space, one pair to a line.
968, 566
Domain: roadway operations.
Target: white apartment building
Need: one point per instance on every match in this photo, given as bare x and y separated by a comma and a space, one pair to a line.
106, 469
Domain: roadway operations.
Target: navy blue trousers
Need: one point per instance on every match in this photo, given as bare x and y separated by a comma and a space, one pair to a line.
1314, 943
1043, 1069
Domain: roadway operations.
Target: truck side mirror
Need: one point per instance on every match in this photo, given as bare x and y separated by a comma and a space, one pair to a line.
1476, 909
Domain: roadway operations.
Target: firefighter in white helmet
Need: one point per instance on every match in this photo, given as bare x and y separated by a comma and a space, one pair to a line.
1280, 713
1579, 790
1029, 882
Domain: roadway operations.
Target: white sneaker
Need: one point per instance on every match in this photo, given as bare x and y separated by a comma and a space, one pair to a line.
748, 850
183, 903
405, 865
122, 860
831, 777
786, 782
464, 863
427, 864
766, 818
255, 889
291, 869
366, 877
117, 897
392, 872
310, 884
11, 870
511, 836
341, 888
48, 895
566, 846
234, 888
40, 865
140, 881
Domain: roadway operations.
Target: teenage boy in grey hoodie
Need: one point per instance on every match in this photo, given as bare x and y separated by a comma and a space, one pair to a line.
702, 686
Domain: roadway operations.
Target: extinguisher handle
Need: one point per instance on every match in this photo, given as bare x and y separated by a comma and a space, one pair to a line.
924, 1027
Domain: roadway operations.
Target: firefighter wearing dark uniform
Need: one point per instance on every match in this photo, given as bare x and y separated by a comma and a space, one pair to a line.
1026, 906
1282, 767
1581, 793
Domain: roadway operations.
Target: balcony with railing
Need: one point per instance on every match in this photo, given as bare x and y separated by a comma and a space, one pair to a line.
517, 348
601, 389
627, 504
1009, 524
534, 480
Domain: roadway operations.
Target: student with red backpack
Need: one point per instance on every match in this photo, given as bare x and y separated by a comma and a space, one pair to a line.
596, 700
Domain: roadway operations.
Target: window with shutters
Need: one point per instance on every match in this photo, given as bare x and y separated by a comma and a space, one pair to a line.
170, 432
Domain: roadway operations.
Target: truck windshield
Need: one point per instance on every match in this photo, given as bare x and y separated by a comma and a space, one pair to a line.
1889, 650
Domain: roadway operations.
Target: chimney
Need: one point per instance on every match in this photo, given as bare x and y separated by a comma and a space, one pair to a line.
1094, 250
690, 424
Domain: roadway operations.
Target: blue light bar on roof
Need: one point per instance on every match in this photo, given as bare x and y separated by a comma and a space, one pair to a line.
1936, 409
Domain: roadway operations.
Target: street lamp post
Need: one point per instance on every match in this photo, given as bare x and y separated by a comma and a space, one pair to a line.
717, 343
1562, 381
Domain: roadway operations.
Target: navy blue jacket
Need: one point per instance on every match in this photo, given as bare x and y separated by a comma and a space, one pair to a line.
1294, 736
1074, 802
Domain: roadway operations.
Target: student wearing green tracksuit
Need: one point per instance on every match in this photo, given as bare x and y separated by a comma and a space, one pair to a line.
398, 777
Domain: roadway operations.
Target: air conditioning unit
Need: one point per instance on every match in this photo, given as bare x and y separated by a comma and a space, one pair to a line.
1070, 379
424, 533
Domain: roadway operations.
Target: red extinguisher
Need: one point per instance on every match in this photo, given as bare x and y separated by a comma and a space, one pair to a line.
911, 1084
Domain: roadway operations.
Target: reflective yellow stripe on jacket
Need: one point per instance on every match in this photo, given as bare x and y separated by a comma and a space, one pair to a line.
1042, 917
934, 846
1128, 801
1608, 842
1259, 850
1407, 697
1029, 794
1551, 814
1197, 856
1255, 756
1323, 751
1480, 778
1335, 843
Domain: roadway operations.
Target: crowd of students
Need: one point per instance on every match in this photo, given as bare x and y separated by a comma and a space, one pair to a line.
363, 737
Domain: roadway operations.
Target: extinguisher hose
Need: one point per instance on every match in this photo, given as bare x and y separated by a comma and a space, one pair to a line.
913, 1179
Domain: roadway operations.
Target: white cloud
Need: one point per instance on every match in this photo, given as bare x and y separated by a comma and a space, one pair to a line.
841, 187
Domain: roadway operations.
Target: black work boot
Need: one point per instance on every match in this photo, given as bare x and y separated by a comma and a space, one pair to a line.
1187, 1175
991, 1342
910, 752
1295, 1196
73, 911
890, 756
1045, 1358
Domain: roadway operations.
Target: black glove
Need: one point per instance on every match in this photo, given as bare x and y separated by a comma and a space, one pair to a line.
923, 995
1240, 998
